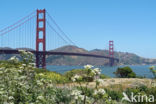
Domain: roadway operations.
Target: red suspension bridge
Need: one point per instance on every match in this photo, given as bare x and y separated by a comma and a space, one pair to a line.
22, 35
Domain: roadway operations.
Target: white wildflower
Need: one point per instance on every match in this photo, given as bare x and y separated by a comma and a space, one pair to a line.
76, 93
39, 82
81, 97
102, 91
99, 91
11, 97
97, 71
33, 64
21, 50
10, 103
76, 77
75, 97
50, 85
14, 58
40, 98
95, 92
30, 53
41, 74
23, 64
21, 84
1, 92
1, 72
73, 79
20, 71
21, 67
93, 72
26, 87
100, 80
88, 66
109, 99
22, 77
29, 66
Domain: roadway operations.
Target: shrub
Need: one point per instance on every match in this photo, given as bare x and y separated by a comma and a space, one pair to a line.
83, 94
82, 72
115, 95
19, 84
22, 83
152, 91
103, 76
125, 72
153, 70
52, 76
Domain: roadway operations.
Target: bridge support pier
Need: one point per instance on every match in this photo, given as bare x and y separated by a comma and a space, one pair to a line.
40, 60
111, 61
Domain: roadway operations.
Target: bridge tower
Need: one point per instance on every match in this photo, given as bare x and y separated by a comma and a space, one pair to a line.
41, 38
111, 52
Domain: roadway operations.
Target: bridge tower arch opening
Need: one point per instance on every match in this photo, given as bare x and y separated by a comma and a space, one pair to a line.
41, 38
111, 52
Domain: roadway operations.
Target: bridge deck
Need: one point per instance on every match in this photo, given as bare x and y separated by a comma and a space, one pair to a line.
59, 53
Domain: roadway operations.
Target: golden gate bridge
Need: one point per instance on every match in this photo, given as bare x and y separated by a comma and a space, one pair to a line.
36, 32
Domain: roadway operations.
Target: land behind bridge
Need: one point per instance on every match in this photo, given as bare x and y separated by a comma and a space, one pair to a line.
125, 58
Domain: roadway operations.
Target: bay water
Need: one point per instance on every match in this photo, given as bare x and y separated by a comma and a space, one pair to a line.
140, 70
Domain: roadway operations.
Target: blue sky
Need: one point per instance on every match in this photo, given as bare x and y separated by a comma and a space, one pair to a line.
92, 23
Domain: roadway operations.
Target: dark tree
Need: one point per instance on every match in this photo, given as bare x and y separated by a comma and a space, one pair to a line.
125, 72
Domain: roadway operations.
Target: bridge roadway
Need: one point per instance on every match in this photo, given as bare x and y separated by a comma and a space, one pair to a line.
6, 51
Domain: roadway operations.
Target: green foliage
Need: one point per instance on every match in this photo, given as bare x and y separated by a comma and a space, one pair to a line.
152, 91
153, 70
62, 96
115, 95
142, 90
125, 72
85, 95
52, 76
81, 72
22, 83
71, 73
103, 76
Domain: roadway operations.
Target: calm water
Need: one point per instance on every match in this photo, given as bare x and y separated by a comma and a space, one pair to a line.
141, 70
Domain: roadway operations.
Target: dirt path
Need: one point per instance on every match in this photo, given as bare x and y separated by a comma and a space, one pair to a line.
116, 83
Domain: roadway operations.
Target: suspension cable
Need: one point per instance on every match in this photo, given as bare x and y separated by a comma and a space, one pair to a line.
17, 25
17, 22
56, 32
60, 29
